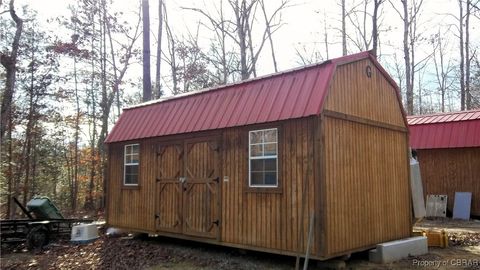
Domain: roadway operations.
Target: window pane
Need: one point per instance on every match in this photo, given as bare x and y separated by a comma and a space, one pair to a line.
256, 150
134, 158
270, 164
256, 178
131, 169
270, 135
256, 136
257, 165
131, 179
128, 159
135, 149
271, 178
270, 149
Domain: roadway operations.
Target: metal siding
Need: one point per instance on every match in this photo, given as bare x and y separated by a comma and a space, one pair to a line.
292, 94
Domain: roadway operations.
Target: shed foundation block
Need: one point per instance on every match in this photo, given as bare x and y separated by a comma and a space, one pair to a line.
399, 249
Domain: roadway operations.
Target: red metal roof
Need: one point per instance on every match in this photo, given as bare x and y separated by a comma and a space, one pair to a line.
292, 94
445, 130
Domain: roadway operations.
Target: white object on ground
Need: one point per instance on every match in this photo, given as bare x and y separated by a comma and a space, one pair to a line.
399, 249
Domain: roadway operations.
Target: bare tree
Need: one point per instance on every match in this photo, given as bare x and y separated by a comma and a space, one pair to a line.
409, 16
9, 62
462, 56
171, 57
443, 68
147, 81
375, 26
307, 56
360, 17
158, 91
239, 30
268, 29
344, 28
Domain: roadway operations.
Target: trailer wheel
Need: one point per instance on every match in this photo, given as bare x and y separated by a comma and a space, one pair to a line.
37, 237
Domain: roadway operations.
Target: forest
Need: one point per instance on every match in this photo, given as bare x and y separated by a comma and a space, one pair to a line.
65, 79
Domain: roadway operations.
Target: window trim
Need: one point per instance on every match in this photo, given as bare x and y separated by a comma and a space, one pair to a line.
277, 185
125, 164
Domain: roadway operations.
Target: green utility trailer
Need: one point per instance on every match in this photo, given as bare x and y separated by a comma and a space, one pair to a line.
45, 224
44, 208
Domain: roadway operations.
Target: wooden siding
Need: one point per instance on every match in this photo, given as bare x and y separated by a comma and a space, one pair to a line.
273, 220
131, 207
365, 184
367, 190
445, 171
264, 220
353, 93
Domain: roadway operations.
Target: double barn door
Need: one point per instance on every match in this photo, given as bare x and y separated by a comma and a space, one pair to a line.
188, 179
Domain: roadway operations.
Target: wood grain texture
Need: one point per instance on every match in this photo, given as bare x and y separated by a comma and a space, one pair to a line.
269, 219
445, 171
367, 188
132, 207
353, 93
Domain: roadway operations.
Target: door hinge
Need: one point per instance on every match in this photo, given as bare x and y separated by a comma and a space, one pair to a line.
216, 222
157, 216
217, 179
157, 179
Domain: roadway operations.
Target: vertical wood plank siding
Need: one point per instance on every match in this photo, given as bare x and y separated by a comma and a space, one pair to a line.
132, 207
269, 219
367, 186
353, 93
366, 194
445, 171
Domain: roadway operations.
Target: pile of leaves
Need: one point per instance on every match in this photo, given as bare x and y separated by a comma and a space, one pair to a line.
133, 253
464, 239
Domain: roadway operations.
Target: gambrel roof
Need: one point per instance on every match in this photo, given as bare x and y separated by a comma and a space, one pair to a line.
286, 95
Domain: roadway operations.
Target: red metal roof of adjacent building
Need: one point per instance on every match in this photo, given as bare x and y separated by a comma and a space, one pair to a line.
445, 130
292, 94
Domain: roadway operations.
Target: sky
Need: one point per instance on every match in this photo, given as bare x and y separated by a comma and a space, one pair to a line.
303, 28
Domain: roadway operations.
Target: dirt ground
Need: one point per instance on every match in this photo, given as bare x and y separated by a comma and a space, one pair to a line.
164, 253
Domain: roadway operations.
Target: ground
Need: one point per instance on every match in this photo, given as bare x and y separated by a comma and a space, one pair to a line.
128, 252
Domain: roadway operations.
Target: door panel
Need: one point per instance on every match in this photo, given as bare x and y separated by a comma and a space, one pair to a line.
201, 188
169, 188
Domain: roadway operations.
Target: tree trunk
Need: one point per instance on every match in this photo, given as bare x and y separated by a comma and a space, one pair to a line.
77, 137
158, 91
147, 81
462, 58
406, 53
10, 64
344, 29
468, 97
376, 6
269, 34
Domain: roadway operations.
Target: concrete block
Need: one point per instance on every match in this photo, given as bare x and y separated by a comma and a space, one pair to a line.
399, 249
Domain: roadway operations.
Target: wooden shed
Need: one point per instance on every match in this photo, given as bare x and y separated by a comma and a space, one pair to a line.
448, 151
250, 164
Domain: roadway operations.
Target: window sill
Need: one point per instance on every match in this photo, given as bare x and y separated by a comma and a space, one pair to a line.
276, 190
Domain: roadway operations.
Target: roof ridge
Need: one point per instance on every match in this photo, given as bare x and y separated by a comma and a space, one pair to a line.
223, 86
442, 113
337, 60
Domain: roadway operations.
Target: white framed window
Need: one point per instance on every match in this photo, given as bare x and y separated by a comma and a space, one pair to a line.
131, 162
263, 158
